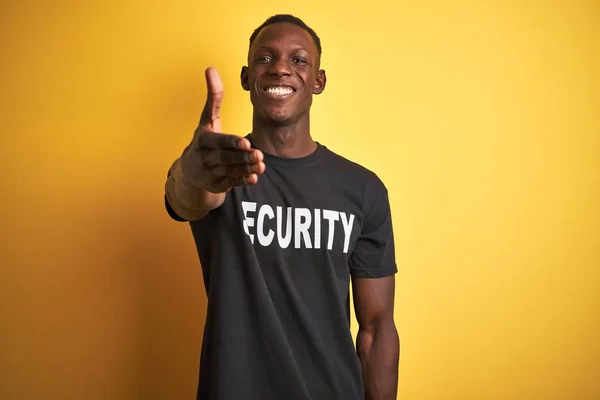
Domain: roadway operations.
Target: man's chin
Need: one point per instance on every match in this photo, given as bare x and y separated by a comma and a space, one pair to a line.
278, 117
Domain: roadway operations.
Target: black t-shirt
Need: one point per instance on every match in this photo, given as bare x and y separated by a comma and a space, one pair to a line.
277, 259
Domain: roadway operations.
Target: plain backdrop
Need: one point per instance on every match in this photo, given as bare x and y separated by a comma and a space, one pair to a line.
480, 116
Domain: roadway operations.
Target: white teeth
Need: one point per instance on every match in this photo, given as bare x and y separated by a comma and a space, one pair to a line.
279, 90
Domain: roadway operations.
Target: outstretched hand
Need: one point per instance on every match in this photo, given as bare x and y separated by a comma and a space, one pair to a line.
216, 161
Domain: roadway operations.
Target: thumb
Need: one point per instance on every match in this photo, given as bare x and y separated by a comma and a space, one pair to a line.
211, 114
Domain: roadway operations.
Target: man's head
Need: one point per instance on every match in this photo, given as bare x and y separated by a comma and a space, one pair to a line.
279, 18
283, 71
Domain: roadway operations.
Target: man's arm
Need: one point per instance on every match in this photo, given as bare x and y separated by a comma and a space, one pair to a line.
212, 164
377, 343
188, 202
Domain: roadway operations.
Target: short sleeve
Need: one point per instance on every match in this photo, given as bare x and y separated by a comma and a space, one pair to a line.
374, 252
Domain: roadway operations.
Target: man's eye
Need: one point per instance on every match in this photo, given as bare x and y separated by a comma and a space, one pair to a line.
264, 59
300, 61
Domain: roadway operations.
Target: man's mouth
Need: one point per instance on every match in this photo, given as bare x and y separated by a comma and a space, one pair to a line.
279, 91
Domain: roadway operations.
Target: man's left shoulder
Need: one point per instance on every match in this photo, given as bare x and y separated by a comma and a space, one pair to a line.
356, 171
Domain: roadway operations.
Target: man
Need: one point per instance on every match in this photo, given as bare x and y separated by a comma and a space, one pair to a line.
282, 226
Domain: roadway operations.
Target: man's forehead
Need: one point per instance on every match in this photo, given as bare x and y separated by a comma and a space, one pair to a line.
286, 33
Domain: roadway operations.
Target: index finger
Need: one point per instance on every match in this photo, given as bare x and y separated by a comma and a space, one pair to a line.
215, 141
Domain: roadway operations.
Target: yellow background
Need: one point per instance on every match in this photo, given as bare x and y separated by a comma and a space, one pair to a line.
480, 116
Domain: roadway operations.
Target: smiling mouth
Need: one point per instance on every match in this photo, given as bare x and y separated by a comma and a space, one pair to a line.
279, 91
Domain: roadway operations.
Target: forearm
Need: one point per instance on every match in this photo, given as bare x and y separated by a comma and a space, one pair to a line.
189, 202
379, 353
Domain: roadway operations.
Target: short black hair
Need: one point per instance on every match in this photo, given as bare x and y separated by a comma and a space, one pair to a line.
289, 19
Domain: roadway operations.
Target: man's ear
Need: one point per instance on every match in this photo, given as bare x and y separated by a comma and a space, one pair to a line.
244, 78
320, 82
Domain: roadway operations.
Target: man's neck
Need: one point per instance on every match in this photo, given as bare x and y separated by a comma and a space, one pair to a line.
291, 141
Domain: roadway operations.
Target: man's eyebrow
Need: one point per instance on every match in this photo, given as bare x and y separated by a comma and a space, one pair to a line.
269, 48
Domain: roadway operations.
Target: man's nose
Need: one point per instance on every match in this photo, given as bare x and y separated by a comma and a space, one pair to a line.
280, 67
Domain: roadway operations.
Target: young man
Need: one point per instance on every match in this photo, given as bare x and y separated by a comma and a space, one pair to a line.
282, 226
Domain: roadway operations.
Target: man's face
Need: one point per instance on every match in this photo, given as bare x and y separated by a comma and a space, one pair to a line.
283, 73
